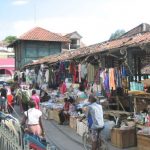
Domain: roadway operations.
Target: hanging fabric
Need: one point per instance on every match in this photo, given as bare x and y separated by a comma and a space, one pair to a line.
91, 73
112, 79
79, 71
83, 71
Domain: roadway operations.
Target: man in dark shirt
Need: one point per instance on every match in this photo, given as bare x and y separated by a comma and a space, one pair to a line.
3, 91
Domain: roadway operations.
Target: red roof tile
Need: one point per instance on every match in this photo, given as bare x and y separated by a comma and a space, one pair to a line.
135, 40
40, 34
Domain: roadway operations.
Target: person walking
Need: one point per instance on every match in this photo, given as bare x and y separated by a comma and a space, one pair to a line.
32, 118
36, 99
10, 101
3, 92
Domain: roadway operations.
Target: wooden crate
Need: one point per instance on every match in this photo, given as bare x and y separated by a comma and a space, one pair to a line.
73, 122
143, 142
123, 138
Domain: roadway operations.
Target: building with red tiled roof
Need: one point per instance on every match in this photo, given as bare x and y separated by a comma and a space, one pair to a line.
36, 43
132, 50
40, 34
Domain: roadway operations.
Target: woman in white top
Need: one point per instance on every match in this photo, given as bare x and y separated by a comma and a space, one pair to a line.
33, 119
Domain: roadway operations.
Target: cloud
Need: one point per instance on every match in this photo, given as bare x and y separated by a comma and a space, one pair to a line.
94, 28
91, 28
19, 2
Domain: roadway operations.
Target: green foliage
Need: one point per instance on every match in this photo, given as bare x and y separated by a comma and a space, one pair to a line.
10, 39
116, 34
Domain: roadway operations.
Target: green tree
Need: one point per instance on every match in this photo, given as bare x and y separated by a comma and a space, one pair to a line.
116, 34
10, 39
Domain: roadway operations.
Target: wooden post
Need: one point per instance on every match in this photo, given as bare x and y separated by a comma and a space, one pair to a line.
139, 68
135, 106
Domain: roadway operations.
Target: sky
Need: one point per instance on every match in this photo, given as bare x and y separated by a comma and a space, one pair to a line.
94, 20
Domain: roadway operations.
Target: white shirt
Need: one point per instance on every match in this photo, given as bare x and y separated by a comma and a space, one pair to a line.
96, 112
33, 116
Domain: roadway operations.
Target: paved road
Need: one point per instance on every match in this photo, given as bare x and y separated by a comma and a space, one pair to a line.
57, 135
63, 136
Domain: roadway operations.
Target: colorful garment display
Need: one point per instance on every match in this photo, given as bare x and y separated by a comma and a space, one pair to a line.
112, 79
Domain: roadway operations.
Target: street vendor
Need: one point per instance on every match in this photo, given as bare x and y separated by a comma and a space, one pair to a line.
63, 113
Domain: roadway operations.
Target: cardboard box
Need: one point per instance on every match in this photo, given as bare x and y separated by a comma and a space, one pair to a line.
73, 122
56, 115
50, 114
143, 142
123, 138
81, 127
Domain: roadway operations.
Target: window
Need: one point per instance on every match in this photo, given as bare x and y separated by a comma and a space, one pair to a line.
73, 41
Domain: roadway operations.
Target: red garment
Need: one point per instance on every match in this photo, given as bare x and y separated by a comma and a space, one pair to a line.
36, 100
72, 68
63, 88
10, 99
66, 106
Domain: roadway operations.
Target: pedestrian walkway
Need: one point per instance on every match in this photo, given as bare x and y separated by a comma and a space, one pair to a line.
65, 132
63, 136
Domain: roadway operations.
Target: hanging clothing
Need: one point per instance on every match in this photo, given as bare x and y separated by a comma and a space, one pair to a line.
72, 68
79, 71
118, 77
106, 82
63, 88
47, 76
112, 79
124, 72
91, 72
83, 71
97, 76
